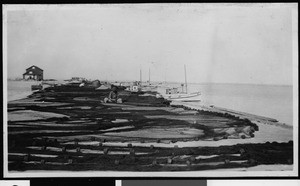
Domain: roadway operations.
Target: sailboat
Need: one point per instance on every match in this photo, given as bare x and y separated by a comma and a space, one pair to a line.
175, 94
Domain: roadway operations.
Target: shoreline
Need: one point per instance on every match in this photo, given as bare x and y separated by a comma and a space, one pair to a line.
69, 124
244, 115
15, 98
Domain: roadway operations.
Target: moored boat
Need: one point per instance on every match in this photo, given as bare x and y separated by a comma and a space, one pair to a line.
175, 94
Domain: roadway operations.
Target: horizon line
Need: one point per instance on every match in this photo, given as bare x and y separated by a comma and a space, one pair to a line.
173, 82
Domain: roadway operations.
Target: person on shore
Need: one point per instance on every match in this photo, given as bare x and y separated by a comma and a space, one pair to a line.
113, 96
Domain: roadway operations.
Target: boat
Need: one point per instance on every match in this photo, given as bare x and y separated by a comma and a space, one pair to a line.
185, 97
175, 95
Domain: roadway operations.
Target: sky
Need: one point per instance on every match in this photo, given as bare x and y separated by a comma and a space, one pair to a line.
218, 43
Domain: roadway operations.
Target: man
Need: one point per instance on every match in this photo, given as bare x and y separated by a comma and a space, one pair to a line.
113, 96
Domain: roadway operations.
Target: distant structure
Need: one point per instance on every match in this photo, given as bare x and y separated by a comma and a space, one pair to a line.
33, 73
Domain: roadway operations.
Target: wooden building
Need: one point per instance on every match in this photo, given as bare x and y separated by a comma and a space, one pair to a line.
34, 73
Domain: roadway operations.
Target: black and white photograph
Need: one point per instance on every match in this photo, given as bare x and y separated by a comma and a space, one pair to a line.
150, 90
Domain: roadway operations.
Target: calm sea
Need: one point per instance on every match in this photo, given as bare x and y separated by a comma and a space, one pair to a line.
264, 100
18, 89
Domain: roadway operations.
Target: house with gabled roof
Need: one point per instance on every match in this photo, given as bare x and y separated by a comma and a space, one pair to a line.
33, 73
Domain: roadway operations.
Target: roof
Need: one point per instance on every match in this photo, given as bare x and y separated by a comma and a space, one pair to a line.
35, 67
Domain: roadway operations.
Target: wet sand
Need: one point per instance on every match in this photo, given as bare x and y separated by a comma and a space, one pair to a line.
69, 128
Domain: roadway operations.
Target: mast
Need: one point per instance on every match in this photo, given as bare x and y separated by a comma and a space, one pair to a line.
149, 76
141, 76
185, 78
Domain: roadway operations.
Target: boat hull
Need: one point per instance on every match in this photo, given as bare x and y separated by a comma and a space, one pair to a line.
184, 97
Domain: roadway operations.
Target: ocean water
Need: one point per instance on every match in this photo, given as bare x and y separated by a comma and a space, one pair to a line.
265, 100
272, 101
19, 89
